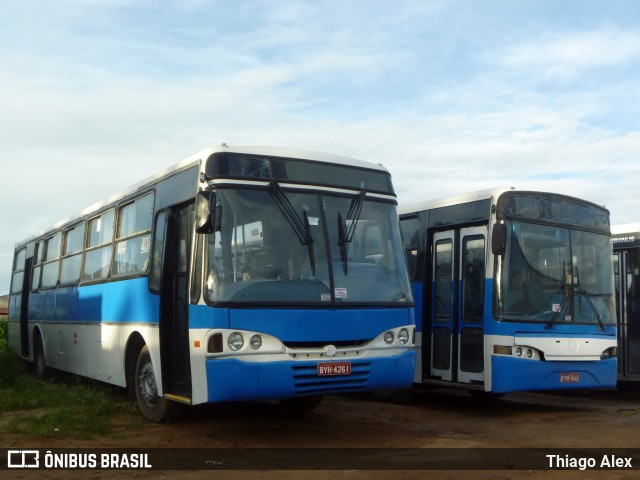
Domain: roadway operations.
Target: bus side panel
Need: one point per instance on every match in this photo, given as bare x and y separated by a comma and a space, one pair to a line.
85, 329
13, 325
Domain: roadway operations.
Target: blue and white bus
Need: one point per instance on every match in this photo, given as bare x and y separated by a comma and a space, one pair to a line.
513, 291
238, 274
626, 263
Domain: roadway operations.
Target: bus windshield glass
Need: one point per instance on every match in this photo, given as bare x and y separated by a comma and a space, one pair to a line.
555, 275
273, 246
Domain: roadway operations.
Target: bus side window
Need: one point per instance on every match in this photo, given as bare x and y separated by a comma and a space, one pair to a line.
37, 268
18, 271
51, 265
72, 255
133, 236
97, 259
410, 229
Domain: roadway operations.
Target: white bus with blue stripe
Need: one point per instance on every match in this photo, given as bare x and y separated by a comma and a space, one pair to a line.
513, 291
239, 274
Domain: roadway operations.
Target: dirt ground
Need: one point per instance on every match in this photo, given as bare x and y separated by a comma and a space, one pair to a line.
435, 419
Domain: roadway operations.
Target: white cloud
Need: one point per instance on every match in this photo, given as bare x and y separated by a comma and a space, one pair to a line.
429, 91
567, 55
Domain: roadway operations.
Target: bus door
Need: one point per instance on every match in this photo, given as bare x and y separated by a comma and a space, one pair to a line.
457, 332
174, 303
629, 313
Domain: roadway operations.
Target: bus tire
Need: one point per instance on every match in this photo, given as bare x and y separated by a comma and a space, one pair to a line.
40, 369
154, 408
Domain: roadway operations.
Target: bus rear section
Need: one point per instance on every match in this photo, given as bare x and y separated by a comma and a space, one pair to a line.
513, 290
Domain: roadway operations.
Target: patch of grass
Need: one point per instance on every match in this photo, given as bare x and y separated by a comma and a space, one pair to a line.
69, 407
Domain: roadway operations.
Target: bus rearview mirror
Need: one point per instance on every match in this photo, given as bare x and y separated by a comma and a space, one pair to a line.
204, 222
499, 239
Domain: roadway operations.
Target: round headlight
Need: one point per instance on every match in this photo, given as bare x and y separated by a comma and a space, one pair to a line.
403, 336
529, 353
235, 341
388, 338
255, 342
519, 351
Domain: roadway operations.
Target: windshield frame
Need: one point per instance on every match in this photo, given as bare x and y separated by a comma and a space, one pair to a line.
323, 241
571, 285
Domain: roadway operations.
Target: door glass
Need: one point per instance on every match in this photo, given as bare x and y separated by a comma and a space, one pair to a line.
442, 281
633, 311
472, 278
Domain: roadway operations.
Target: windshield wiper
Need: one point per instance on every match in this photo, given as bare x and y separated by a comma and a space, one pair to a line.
586, 294
301, 228
347, 229
577, 289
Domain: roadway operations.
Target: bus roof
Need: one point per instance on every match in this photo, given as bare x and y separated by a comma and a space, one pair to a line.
453, 200
198, 158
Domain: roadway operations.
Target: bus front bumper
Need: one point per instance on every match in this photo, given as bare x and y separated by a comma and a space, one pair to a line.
516, 374
233, 379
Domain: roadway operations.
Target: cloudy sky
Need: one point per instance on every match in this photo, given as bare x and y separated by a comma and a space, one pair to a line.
450, 96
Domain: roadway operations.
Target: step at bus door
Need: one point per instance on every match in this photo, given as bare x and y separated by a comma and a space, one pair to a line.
174, 302
457, 333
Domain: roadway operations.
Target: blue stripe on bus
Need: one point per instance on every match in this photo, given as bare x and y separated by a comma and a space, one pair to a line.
516, 374
233, 379
121, 301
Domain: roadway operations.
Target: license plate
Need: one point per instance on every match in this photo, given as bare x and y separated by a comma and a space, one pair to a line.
569, 377
334, 368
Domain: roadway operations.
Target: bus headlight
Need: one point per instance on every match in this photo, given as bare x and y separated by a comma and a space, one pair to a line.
235, 341
519, 352
403, 336
388, 338
609, 353
255, 342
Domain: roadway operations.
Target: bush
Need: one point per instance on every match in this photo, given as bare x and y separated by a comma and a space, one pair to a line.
3, 332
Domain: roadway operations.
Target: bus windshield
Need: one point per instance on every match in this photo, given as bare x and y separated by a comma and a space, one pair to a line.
555, 275
282, 247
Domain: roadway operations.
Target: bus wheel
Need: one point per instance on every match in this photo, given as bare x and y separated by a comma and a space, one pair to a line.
153, 407
40, 369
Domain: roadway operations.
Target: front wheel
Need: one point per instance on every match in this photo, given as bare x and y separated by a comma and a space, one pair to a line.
153, 407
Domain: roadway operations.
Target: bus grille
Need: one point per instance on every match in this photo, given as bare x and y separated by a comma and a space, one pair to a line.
307, 381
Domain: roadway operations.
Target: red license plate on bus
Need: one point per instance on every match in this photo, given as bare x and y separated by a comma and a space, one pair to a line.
334, 368
569, 377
